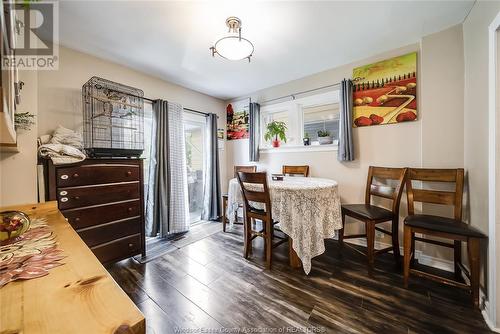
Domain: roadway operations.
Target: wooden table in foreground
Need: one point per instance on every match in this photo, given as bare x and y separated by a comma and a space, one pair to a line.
77, 297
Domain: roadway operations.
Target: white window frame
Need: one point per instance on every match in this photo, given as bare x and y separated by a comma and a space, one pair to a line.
296, 122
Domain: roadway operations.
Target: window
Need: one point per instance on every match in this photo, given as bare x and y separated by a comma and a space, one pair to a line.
322, 117
303, 116
280, 115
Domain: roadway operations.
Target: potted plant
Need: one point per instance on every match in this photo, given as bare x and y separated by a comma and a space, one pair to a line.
306, 139
276, 130
324, 137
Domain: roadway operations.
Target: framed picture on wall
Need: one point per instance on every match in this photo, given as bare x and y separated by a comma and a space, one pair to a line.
220, 139
237, 120
385, 92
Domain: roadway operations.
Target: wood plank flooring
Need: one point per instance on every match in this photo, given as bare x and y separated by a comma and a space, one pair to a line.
157, 247
209, 285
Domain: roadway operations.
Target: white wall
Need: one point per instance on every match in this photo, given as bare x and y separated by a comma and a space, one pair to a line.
476, 125
18, 170
435, 139
58, 97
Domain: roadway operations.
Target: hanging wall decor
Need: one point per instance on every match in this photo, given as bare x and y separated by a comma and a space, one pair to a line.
237, 120
385, 92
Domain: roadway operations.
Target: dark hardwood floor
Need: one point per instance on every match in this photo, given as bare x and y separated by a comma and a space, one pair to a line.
208, 284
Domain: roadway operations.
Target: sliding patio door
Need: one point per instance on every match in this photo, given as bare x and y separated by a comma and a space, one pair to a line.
195, 132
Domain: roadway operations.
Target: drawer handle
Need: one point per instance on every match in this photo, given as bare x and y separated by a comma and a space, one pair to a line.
77, 197
77, 219
64, 199
64, 177
76, 175
130, 245
129, 209
129, 173
63, 193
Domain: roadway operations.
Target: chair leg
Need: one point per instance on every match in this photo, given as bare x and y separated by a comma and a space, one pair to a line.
412, 238
474, 263
407, 246
293, 258
247, 228
458, 259
370, 242
264, 230
224, 208
395, 239
269, 243
341, 231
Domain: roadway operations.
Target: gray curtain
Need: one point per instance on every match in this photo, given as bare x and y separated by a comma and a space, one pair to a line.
167, 208
254, 131
346, 147
157, 212
212, 194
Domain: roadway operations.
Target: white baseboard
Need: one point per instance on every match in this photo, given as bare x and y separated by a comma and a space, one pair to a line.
486, 312
421, 257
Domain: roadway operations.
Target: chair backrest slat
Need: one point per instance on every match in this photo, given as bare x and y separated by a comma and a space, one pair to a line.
432, 175
382, 191
255, 196
295, 170
392, 193
248, 169
436, 196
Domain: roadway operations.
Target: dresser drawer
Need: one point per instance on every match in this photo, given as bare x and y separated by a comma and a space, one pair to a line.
118, 249
75, 197
100, 214
96, 174
100, 234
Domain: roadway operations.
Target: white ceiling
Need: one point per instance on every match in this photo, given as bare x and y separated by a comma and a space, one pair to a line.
292, 39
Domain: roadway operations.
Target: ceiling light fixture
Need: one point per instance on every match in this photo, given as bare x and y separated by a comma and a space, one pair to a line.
233, 47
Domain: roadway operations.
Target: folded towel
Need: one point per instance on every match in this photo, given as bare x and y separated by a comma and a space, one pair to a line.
60, 153
66, 136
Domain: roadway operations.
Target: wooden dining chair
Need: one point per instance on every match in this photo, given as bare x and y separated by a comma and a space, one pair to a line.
295, 170
256, 191
250, 169
448, 228
373, 215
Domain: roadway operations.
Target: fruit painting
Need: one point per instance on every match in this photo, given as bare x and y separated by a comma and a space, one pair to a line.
385, 92
237, 121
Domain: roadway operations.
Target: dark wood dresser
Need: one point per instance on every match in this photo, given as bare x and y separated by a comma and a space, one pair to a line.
103, 200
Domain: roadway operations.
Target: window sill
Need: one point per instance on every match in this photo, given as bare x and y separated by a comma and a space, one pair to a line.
310, 148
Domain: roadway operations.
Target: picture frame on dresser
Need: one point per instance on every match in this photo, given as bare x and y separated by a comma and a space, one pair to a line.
103, 200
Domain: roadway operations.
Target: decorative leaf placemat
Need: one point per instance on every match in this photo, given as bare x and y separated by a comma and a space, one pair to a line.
30, 255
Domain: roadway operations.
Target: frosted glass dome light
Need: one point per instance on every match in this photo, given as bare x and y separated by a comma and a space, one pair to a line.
233, 47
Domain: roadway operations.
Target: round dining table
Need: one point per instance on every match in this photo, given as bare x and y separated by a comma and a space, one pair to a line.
307, 209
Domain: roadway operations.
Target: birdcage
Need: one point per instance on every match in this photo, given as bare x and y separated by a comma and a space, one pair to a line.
113, 117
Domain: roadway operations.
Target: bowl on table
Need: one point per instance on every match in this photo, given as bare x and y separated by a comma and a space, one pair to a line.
13, 224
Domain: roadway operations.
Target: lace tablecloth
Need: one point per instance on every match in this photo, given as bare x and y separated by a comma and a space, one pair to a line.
307, 208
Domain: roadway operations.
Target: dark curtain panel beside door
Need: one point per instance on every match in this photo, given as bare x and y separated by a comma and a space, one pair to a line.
157, 210
254, 131
212, 194
346, 147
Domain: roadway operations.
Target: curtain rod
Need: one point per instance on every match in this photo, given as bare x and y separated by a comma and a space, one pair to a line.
151, 101
186, 109
302, 92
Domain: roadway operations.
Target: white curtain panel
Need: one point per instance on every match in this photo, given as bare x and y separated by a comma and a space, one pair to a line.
179, 206
212, 192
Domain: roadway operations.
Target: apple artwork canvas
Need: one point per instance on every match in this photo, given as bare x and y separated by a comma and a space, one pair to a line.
385, 92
